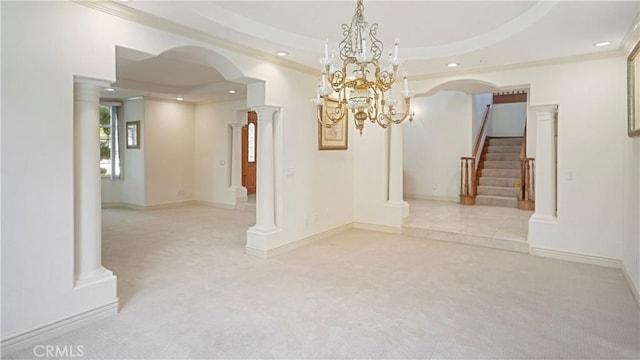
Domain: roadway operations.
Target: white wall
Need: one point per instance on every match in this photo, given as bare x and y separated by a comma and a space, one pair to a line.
314, 189
169, 151
133, 173
434, 143
480, 102
212, 141
507, 120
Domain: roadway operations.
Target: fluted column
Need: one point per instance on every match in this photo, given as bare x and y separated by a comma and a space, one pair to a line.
396, 196
238, 192
395, 165
265, 191
87, 198
545, 177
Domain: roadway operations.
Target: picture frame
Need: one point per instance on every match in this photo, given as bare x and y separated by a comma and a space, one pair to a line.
633, 93
334, 137
133, 134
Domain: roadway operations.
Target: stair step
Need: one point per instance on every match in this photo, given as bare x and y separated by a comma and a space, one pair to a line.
498, 191
503, 182
503, 149
501, 173
517, 141
489, 200
496, 164
502, 156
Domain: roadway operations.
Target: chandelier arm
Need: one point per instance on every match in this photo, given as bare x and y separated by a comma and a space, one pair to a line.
376, 45
373, 109
333, 117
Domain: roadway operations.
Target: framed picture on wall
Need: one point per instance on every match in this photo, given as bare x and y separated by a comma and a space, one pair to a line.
332, 137
633, 93
133, 134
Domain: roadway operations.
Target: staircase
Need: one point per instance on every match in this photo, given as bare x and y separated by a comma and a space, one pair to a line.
499, 173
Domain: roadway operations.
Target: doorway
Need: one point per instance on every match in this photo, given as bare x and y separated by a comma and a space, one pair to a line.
249, 153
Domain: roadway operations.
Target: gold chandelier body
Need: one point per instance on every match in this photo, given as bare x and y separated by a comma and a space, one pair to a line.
368, 97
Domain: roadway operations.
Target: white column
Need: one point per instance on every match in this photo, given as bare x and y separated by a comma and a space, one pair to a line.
395, 165
239, 192
396, 196
87, 197
545, 177
265, 191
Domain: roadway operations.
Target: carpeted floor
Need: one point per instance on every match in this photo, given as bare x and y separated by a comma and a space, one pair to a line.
187, 290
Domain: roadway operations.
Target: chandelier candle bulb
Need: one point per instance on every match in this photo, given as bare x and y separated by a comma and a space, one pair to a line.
395, 51
406, 83
326, 49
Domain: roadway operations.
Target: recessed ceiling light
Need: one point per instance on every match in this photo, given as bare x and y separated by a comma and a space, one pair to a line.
452, 65
232, 91
282, 53
110, 89
603, 43
179, 99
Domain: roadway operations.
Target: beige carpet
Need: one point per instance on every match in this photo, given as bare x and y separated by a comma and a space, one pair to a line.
188, 291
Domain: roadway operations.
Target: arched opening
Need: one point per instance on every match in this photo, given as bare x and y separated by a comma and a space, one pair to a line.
175, 192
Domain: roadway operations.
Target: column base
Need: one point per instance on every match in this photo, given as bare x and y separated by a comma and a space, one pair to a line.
544, 218
238, 194
402, 205
261, 239
89, 278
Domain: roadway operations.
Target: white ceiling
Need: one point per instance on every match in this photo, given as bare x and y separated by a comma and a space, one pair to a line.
475, 34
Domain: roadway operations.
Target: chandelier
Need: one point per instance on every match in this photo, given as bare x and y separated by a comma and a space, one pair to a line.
361, 85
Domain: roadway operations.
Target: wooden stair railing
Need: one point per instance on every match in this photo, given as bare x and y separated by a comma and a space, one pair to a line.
527, 177
468, 169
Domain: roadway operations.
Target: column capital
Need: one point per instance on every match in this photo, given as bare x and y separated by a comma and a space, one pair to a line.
87, 89
265, 112
545, 112
237, 125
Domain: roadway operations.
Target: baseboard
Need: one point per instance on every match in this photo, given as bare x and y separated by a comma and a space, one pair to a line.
106, 205
168, 205
375, 227
454, 199
577, 257
216, 205
632, 286
296, 244
53, 329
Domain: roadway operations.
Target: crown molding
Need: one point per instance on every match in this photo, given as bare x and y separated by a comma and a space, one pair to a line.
632, 36
554, 61
124, 12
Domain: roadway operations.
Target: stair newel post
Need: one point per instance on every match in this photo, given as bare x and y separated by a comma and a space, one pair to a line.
461, 176
532, 195
473, 177
467, 182
523, 179
527, 201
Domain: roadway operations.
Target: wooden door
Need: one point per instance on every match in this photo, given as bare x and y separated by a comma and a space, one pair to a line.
250, 153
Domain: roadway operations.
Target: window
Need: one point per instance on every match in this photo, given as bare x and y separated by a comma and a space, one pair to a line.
109, 149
